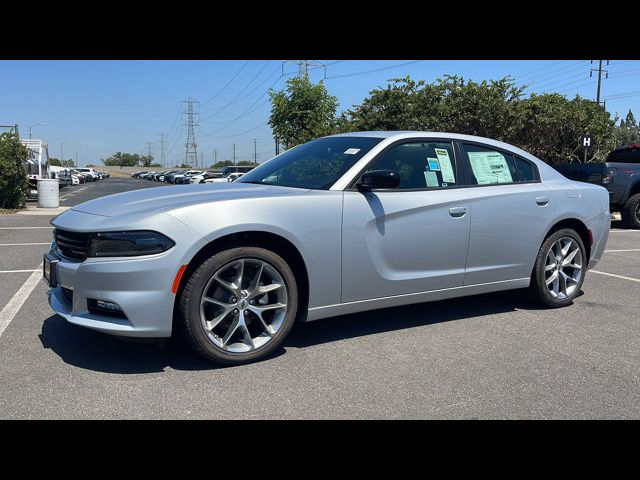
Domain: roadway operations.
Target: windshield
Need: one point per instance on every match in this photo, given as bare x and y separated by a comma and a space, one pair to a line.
316, 165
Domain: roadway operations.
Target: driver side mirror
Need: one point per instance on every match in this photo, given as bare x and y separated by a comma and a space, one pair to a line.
378, 179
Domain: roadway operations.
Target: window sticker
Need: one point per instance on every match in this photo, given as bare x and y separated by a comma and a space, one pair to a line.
432, 179
434, 164
490, 167
445, 164
351, 151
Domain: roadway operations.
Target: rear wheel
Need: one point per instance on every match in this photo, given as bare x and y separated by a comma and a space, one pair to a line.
631, 212
559, 269
239, 305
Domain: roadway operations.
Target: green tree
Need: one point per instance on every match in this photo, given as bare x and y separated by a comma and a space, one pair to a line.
55, 162
302, 111
146, 161
120, 159
13, 178
628, 131
246, 162
68, 163
550, 126
222, 164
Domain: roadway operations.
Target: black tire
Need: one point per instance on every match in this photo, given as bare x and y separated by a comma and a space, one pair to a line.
538, 289
189, 306
631, 212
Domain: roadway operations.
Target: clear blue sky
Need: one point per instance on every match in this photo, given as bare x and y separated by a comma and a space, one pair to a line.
100, 107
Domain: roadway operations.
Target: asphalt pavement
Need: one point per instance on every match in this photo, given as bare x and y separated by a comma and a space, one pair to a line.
487, 356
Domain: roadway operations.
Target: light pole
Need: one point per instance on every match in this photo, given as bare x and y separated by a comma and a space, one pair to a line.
76, 164
35, 125
62, 151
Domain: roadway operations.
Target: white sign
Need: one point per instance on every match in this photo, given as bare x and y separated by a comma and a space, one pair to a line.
445, 165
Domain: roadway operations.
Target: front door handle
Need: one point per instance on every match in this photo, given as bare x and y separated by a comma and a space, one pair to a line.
457, 212
542, 201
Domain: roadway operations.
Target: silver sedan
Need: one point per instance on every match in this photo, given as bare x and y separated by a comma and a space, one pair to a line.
341, 224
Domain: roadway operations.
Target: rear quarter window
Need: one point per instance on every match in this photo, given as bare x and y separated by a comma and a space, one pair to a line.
627, 155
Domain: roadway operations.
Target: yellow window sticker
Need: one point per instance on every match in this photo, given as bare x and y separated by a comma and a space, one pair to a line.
446, 166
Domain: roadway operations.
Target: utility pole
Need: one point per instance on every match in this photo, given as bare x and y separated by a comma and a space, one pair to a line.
234, 153
191, 147
215, 156
162, 150
303, 67
600, 71
201, 160
255, 151
277, 145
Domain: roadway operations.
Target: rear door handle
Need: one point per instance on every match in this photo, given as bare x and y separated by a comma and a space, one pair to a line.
542, 201
457, 211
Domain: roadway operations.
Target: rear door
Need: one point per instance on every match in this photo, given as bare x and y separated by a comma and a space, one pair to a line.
510, 211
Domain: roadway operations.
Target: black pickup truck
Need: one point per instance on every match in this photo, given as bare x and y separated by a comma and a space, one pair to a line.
620, 174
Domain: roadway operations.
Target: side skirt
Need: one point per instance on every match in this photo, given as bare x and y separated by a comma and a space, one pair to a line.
316, 313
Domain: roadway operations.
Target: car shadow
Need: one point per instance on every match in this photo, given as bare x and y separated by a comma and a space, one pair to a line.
92, 350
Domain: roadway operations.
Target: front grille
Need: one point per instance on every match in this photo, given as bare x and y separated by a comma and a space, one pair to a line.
72, 244
68, 294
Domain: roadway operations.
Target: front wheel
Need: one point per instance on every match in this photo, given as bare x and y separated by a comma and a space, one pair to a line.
239, 305
559, 269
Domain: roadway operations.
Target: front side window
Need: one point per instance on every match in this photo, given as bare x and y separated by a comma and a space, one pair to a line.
314, 165
419, 165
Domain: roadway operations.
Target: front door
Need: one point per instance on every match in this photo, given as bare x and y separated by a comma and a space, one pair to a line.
410, 239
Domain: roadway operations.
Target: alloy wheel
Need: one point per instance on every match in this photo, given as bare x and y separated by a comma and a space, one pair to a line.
243, 305
563, 268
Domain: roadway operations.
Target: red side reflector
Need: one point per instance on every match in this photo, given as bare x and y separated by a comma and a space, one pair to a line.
176, 281
590, 240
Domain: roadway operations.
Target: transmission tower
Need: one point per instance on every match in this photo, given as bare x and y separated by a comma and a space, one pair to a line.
234, 153
215, 156
303, 67
191, 147
150, 149
162, 150
255, 151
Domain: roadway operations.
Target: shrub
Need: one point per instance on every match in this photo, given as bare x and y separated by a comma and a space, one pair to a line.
13, 178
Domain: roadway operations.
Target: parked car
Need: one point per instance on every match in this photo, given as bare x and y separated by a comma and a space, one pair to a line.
231, 177
92, 173
342, 224
64, 178
236, 169
185, 177
137, 174
79, 176
619, 174
205, 176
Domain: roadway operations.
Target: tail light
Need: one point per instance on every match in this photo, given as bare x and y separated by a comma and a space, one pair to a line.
607, 175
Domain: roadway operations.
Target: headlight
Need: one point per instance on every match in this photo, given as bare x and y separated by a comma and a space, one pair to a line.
128, 244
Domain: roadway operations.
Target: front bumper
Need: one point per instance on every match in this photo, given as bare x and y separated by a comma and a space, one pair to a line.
141, 286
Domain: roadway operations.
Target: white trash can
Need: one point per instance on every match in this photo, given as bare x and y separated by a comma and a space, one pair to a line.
48, 193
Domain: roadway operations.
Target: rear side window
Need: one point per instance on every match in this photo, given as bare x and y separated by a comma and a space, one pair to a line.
627, 155
525, 171
490, 167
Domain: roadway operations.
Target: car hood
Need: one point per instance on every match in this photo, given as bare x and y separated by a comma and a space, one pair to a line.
166, 198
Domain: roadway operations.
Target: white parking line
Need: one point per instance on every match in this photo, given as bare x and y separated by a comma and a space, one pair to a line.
21, 228
628, 250
9, 311
616, 276
72, 193
624, 231
17, 244
19, 271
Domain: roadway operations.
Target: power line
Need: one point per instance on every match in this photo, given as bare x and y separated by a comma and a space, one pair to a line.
227, 84
248, 94
231, 102
526, 74
374, 70
543, 77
